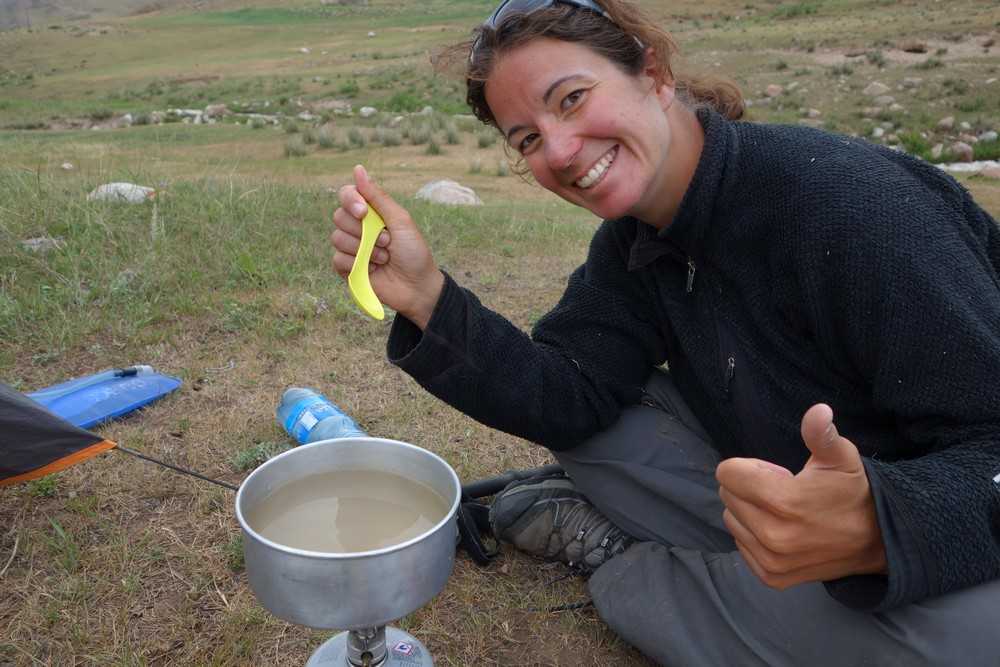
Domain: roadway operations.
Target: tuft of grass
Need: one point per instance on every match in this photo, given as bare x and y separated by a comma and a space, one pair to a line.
841, 70
876, 58
43, 487
250, 457
233, 552
486, 138
986, 150
794, 11
290, 127
356, 137
325, 139
433, 148
503, 169
476, 166
295, 147
451, 135
309, 137
930, 63
257, 124
64, 547
420, 135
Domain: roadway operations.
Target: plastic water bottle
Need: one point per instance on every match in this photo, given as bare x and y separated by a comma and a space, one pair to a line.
308, 416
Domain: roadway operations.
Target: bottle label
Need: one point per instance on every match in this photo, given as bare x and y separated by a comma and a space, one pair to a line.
308, 412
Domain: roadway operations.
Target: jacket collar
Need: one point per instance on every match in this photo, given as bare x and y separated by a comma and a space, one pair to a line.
684, 235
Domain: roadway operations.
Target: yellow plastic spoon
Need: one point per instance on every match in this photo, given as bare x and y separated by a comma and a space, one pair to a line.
357, 279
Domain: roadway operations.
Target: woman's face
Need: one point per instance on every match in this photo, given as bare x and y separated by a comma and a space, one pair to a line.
589, 132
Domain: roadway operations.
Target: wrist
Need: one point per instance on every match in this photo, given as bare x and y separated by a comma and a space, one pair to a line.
425, 300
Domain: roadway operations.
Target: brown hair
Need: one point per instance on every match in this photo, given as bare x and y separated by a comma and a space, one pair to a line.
622, 37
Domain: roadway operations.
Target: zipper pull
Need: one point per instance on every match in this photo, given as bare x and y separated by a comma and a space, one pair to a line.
690, 280
730, 372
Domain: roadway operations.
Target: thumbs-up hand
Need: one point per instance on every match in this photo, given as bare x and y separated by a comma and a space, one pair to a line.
403, 272
814, 526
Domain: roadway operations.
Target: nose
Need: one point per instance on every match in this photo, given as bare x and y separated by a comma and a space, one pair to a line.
561, 147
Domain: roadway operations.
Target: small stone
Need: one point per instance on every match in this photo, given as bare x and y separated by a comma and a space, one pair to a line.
67, 166
892, 138
946, 123
367, 112
964, 125
303, 50
813, 113
989, 135
42, 244
427, 111
912, 82
962, 152
773, 90
396, 120
877, 132
884, 100
937, 151
371, 33
874, 89
886, 125
968, 138
895, 106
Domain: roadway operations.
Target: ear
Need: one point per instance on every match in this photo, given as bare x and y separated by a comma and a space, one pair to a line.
661, 82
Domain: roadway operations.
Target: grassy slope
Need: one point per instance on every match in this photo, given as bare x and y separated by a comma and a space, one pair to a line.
225, 284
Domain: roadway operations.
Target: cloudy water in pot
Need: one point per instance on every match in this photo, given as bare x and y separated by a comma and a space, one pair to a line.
347, 511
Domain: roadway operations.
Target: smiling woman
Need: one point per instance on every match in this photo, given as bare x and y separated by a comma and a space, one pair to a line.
812, 480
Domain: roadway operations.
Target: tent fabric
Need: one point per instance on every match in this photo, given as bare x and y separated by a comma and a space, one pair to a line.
34, 442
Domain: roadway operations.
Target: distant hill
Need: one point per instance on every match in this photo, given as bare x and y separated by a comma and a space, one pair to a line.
39, 13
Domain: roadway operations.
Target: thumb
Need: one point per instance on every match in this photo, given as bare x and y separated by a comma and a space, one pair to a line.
829, 449
391, 212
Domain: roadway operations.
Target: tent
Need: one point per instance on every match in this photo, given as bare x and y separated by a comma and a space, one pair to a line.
35, 442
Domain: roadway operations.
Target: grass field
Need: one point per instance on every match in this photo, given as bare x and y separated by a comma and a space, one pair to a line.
224, 281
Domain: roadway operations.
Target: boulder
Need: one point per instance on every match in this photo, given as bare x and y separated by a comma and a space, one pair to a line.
125, 192
874, 89
449, 192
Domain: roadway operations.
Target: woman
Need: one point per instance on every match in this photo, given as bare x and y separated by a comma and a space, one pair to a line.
829, 311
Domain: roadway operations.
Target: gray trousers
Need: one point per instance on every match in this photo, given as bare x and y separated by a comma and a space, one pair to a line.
684, 596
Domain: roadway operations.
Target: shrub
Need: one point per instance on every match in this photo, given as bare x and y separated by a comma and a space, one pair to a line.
101, 114
420, 135
291, 127
433, 148
257, 124
451, 135
349, 88
876, 58
841, 70
503, 168
309, 136
387, 137
141, 119
930, 63
476, 166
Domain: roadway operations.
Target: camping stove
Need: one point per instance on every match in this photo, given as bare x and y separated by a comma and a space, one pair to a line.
372, 647
361, 591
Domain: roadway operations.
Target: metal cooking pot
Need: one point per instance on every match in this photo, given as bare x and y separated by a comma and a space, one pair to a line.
349, 591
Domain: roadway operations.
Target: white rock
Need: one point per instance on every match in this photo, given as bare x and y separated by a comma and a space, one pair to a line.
912, 82
367, 112
449, 192
773, 90
814, 113
216, 111
884, 100
396, 120
874, 89
965, 125
877, 132
937, 151
126, 192
427, 111
67, 166
946, 123
969, 167
42, 244
303, 50
988, 136
306, 116
371, 33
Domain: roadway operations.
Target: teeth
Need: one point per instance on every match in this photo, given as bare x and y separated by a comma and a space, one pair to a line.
597, 170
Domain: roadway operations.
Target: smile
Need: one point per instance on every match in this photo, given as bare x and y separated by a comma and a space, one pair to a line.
597, 172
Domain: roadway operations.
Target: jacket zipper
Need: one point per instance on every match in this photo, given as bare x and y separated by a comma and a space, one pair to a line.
690, 278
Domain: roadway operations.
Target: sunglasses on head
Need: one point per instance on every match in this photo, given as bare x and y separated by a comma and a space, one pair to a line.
509, 8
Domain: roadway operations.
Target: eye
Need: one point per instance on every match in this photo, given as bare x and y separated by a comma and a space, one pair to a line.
526, 142
571, 99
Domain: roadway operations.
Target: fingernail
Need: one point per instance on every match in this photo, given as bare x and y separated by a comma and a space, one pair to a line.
383, 240
364, 172
359, 210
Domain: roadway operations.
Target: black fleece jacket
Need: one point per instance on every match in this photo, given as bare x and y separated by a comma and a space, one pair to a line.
802, 267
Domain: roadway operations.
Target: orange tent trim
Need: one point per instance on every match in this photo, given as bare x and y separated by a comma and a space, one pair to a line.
61, 464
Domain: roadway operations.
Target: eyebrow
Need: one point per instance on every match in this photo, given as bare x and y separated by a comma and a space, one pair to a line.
545, 99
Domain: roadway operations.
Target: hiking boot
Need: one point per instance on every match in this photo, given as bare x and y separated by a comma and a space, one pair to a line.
548, 518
